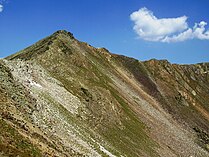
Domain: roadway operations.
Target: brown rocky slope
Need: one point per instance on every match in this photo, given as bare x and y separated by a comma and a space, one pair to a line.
63, 97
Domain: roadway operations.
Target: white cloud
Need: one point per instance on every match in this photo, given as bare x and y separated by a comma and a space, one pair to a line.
1, 8
151, 28
198, 32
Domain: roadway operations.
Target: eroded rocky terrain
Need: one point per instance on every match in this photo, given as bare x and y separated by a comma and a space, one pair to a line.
63, 97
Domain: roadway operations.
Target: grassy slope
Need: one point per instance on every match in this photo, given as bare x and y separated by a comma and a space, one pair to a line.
84, 71
88, 74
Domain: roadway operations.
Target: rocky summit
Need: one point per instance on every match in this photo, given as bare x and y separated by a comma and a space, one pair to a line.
62, 97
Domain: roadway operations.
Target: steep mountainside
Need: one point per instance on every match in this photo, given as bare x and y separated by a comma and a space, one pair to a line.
63, 97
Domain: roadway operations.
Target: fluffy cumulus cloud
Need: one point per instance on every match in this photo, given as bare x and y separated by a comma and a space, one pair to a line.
151, 28
1, 7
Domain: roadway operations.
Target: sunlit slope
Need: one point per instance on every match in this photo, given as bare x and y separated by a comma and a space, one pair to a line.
77, 100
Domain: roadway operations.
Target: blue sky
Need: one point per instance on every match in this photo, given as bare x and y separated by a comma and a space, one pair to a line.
159, 29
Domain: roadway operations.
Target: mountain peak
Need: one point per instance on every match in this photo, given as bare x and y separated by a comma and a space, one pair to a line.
105, 101
42, 46
63, 32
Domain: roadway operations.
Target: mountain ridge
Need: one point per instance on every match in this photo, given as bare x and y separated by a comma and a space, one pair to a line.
87, 101
58, 33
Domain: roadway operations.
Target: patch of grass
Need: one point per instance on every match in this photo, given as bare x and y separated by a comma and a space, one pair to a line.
132, 140
13, 144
